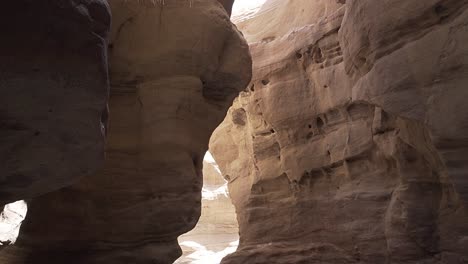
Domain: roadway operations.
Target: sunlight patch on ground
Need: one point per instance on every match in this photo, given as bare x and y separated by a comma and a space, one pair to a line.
201, 255
214, 194
10, 221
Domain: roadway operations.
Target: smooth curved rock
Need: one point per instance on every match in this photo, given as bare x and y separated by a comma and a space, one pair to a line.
54, 85
415, 67
175, 68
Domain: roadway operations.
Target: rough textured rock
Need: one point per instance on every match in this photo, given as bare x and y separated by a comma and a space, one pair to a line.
216, 233
415, 67
174, 68
54, 85
350, 144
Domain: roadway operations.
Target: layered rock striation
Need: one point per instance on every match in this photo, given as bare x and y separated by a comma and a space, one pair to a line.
175, 67
349, 145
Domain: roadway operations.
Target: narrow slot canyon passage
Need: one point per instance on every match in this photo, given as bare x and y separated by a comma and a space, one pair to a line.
216, 233
234, 132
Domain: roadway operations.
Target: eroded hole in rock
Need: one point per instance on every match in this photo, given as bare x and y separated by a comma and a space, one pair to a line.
320, 123
318, 55
10, 221
239, 117
216, 234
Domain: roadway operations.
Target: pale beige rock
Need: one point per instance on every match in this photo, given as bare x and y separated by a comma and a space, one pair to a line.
174, 69
276, 18
216, 233
335, 153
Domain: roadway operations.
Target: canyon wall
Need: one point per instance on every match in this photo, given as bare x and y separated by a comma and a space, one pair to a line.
54, 85
216, 233
350, 144
175, 67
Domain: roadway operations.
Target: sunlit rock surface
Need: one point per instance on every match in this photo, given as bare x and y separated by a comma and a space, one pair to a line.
216, 233
10, 221
245, 9
349, 146
275, 18
175, 67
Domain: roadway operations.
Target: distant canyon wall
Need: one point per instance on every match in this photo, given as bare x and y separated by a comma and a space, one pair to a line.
217, 232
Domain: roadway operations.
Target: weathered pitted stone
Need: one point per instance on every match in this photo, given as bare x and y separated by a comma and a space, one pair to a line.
54, 91
338, 152
175, 68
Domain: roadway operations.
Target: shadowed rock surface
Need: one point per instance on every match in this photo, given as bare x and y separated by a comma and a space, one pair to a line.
54, 91
349, 146
174, 70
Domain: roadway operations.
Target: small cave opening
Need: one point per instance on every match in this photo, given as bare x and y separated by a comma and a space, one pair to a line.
320, 124
11, 218
217, 232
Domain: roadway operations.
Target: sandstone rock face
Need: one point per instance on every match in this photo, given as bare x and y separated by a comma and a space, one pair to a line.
350, 144
54, 85
175, 67
415, 67
275, 18
216, 233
